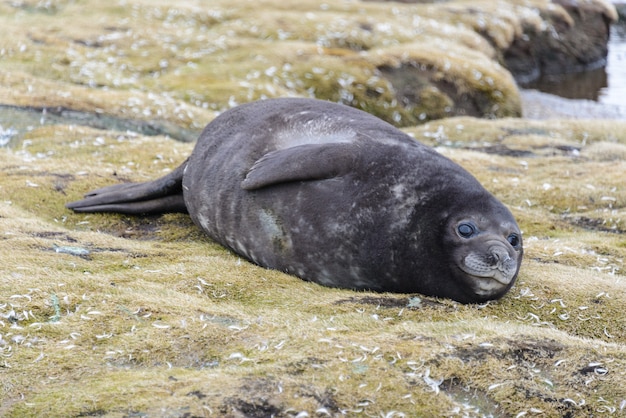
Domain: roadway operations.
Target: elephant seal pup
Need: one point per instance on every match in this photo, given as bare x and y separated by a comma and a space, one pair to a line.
338, 197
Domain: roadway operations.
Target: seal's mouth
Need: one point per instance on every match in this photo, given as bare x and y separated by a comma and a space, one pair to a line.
490, 271
485, 286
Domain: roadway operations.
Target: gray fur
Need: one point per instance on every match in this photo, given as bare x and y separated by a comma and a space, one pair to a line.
335, 196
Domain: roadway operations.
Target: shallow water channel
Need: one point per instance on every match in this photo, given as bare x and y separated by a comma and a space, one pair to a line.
16, 121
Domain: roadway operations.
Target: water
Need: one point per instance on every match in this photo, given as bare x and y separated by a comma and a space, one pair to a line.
15, 122
615, 91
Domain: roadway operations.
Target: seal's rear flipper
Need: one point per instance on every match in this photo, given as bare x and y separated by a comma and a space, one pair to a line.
159, 196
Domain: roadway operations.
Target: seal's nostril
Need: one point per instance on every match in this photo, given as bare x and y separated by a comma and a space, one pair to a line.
500, 257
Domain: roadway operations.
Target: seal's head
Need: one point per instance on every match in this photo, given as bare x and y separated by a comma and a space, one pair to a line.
486, 248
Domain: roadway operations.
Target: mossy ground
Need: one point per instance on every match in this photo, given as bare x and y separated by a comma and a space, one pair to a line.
110, 315
152, 60
159, 320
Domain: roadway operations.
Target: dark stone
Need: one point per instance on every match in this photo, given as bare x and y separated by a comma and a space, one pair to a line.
565, 46
569, 43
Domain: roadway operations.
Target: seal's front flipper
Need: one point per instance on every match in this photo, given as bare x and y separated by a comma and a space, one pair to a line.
301, 163
159, 196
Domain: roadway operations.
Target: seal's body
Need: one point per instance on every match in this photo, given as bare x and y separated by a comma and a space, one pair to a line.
335, 196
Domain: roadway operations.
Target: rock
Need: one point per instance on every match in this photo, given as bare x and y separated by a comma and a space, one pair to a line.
575, 39
558, 37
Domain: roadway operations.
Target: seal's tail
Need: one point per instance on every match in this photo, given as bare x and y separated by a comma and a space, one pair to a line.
158, 196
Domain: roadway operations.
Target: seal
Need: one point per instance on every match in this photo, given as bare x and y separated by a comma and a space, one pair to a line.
335, 196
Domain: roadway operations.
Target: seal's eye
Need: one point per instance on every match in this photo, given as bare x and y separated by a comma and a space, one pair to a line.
466, 230
513, 239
